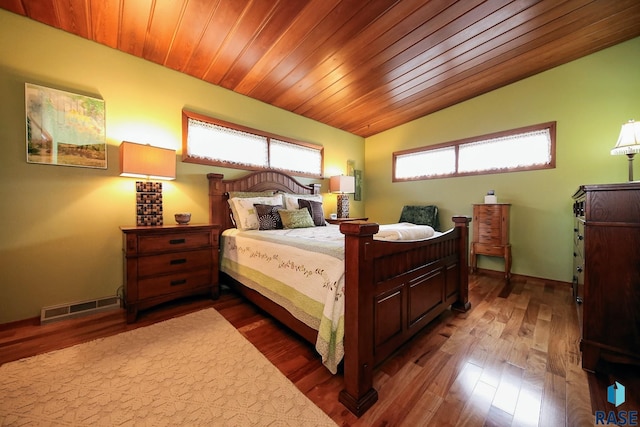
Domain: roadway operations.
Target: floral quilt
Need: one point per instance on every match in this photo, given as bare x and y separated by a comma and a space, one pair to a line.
300, 269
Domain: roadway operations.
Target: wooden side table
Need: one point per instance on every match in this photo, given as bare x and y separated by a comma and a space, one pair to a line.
491, 234
341, 220
163, 263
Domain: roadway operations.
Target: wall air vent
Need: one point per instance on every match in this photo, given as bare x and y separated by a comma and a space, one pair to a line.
77, 309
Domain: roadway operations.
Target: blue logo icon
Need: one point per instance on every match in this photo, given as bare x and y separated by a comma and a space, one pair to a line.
615, 394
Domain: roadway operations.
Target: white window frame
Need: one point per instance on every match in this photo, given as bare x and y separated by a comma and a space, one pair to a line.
195, 151
448, 154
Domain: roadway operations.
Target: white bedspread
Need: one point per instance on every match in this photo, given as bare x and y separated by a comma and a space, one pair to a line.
302, 270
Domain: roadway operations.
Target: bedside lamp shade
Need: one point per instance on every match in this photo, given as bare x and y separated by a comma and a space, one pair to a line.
343, 185
145, 161
628, 143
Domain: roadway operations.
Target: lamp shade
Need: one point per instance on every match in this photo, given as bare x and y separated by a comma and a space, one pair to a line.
145, 161
629, 139
342, 184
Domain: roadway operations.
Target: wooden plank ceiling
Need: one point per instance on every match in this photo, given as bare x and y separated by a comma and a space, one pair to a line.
359, 65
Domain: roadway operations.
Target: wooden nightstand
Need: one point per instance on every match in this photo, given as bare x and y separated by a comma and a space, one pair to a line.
341, 220
491, 234
168, 262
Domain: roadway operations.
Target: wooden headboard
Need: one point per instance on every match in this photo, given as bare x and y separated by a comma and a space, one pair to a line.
219, 188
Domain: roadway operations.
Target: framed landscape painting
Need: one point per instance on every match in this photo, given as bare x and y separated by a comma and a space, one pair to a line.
64, 128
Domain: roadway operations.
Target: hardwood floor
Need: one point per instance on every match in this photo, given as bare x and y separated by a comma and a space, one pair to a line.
512, 360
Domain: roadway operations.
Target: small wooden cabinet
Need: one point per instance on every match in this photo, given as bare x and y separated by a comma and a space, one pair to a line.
606, 278
167, 262
491, 234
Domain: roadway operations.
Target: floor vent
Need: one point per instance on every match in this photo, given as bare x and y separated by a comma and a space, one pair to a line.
77, 309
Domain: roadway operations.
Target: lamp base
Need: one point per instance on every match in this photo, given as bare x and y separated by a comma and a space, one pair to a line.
630, 156
148, 203
343, 206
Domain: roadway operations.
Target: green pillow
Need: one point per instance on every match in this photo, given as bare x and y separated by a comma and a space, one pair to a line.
299, 218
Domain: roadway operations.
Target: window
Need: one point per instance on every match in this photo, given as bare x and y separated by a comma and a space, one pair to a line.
214, 142
529, 148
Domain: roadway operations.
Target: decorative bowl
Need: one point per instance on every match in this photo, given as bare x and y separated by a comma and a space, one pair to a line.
183, 218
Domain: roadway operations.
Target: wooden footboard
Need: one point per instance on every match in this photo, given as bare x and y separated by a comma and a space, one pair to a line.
392, 290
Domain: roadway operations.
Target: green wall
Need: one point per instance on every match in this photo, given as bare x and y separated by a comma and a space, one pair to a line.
589, 98
60, 241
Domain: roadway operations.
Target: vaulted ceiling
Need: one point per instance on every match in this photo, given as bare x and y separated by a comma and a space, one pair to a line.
363, 66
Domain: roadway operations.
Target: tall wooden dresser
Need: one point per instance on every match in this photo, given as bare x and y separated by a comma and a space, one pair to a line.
163, 263
491, 234
606, 281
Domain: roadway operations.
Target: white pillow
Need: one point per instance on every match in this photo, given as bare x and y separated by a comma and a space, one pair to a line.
291, 200
244, 213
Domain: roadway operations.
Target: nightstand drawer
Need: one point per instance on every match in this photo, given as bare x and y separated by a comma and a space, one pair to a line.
163, 285
174, 242
177, 261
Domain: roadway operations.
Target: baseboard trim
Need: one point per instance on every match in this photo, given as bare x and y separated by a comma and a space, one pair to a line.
31, 321
519, 277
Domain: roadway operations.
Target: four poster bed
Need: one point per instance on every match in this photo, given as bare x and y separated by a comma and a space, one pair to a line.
371, 295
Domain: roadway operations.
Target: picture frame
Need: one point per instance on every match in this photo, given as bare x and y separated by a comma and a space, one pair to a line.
357, 196
64, 128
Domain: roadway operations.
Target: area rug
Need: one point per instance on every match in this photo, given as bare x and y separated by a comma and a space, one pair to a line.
192, 370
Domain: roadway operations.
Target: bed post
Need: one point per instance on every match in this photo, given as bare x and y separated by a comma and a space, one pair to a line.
216, 199
463, 304
358, 394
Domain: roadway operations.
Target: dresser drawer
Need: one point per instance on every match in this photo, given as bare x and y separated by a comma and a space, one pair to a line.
163, 285
490, 213
174, 241
176, 261
486, 249
489, 235
578, 237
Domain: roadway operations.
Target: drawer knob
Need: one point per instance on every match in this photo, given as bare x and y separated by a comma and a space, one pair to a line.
178, 282
178, 261
177, 241
579, 300
579, 269
580, 237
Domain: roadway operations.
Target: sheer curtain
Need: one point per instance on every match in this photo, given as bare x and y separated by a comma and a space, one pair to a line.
214, 142
307, 160
440, 161
525, 149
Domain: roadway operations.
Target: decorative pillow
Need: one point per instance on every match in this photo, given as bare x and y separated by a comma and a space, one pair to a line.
244, 213
421, 215
291, 200
315, 210
297, 218
268, 216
